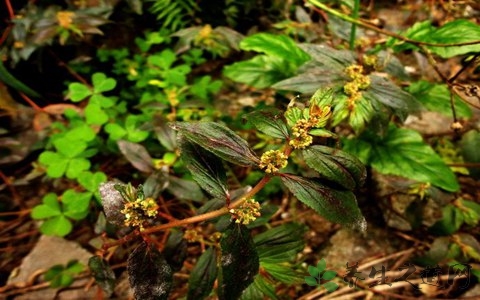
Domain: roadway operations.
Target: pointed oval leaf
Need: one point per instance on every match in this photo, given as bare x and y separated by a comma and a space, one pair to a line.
280, 244
175, 250
403, 152
321, 265
149, 273
336, 165
103, 274
329, 275
334, 205
219, 140
185, 189
313, 271
311, 281
137, 155
330, 286
269, 121
207, 169
203, 276
239, 261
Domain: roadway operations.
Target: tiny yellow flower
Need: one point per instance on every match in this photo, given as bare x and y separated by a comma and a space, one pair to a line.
65, 18
248, 212
273, 160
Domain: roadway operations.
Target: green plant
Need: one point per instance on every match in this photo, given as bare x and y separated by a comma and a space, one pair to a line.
204, 145
62, 276
317, 274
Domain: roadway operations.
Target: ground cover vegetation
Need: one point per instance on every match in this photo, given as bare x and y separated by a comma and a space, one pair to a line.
197, 147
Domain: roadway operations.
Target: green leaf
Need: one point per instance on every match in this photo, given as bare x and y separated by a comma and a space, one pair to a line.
403, 152
292, 115
219, 140
56, 163
329, 275
95, 115
77, 91
68, 147
115, 131
77, 166
103, 274
90, 181
471, 212
149, 274
259, 289
203, 276
185, 189
451, 221
385, 92
76, 204
269, 121
260, 72
330, 286
469, 146
239, 261
313, 271
311, 281
49, 208
207, 169
59, 226
275, 45
454, 32
336, 165
102, 84
280, 244
334, 205
283, 272
321, 265
436, 97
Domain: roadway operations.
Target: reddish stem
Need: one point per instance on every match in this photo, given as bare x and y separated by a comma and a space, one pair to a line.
32, 104
10, 9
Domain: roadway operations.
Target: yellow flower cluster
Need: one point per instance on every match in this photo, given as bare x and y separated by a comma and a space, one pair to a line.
65, 18
192, 236
273, 160
138, 211
248, 212
359, 82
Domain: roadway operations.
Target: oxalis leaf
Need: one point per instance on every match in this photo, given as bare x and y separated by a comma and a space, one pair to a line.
334, 205
269, 121
206, 169
149, 274
336, 165
203, 276
403, 152
219, 140
239, 261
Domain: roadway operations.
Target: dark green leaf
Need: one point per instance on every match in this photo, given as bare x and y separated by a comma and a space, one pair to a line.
185, 189
452, 219
259, 289
327, 57
436, 97
403, 152
239, 261
137, 155
175, 250
165, 135
203, 276
280, 244
219, 140
321, 265
334, 205
313, 271
283, 272
469, 146
336, 165
149, 274
330, 286
155, 184
329, 275
103, 274
311, 281
269, 121
309, 80
206, 168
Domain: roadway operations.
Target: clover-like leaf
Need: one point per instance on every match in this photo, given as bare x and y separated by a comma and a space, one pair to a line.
58, 226
335, 205
49, 208
149, 274
219, 140
336, 165
76, 166
206, 168
75, 205
102, 84
239, 261
78, 91
95, 115
203, 276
